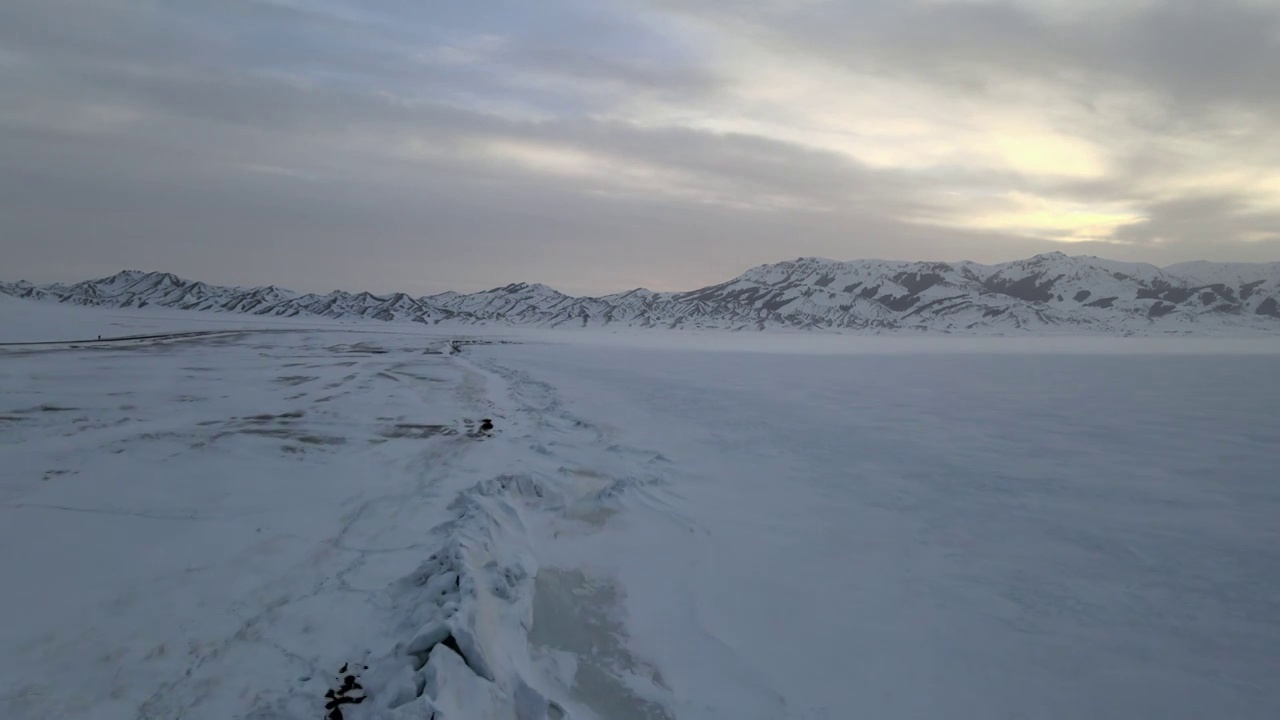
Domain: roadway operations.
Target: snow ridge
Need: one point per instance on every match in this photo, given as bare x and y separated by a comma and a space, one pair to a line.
467, 609
1044, 293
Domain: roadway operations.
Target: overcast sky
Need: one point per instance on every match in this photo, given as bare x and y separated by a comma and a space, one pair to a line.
599, 145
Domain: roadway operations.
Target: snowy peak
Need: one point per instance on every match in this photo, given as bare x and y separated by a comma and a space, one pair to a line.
1052, 291
1226, 273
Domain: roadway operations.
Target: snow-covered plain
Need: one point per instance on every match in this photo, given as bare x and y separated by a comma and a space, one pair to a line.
692, 526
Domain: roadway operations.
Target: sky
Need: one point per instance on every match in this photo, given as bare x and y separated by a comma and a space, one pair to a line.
601, 145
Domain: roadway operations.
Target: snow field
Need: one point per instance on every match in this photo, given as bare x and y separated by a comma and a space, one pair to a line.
211, 526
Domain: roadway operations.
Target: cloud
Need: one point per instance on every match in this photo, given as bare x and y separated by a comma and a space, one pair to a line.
1194, 52
600, 145
1081, 105
1208, 221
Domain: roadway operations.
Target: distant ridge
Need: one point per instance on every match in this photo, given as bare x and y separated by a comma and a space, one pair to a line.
1050, 292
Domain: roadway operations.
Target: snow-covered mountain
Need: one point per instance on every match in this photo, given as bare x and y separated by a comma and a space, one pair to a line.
1046, 292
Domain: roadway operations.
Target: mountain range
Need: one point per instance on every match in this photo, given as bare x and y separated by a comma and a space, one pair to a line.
1044, 293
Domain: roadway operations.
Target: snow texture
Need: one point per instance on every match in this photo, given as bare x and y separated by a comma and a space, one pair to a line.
219, 521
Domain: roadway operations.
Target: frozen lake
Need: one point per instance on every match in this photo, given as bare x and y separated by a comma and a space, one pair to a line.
949, 535
209, 526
